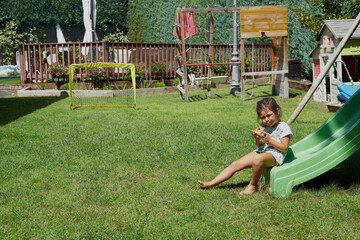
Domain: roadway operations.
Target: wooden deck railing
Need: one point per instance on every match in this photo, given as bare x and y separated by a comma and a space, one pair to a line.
35, 59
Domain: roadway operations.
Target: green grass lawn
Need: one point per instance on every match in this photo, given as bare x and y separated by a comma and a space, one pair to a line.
10, 81
96, 173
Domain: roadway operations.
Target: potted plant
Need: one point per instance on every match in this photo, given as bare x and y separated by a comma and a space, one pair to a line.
96, 74
159, 69
139, 72
59, 73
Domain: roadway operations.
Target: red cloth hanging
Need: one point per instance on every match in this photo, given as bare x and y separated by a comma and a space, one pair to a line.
189, 24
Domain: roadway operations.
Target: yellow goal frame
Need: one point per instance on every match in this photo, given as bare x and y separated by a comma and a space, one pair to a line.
96, 65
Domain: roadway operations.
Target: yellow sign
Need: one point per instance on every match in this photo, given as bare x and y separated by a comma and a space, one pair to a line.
263, 21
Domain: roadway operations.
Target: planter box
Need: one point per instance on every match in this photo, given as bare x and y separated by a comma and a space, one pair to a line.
10, 86
91, 93
333, 107
300, 85
169, 82
88, 85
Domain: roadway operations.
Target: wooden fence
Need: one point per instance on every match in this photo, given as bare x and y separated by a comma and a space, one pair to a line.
35, 59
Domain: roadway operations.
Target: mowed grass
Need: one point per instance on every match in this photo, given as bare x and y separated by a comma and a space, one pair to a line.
10, 81
96, 173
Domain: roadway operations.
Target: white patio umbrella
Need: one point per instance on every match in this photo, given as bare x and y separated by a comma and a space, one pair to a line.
59, 34
89, 15
60, 38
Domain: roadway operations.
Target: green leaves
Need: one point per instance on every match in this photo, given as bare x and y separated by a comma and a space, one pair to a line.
30, 13
9, 38
325, 9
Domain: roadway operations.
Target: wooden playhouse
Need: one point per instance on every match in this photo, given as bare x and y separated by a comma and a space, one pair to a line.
329, 37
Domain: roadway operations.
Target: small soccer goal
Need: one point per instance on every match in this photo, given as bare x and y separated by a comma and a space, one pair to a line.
83, 93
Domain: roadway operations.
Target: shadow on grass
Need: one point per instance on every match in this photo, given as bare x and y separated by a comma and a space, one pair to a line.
198, 97
234, 186
14, 108
260, 95
343, 176
201, 97
263, 94
256, 94
293, 95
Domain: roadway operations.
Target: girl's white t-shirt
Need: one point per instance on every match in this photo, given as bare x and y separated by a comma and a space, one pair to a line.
276, 133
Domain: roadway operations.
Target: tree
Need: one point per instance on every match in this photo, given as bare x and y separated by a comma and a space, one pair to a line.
9, 38
314, 18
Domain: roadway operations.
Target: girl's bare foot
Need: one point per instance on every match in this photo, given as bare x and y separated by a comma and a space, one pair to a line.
204, 184
249, 190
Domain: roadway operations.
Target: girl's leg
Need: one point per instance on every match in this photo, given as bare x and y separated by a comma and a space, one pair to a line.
240, 164
259, 161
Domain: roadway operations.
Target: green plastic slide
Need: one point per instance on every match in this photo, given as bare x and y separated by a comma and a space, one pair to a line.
336, 140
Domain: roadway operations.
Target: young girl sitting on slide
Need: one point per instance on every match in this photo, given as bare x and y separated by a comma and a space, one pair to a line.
272, 139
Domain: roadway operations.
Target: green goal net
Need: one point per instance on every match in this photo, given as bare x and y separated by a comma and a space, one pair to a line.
83, 92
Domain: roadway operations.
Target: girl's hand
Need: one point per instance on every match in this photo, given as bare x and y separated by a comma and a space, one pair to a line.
257, 133
257, 138
265, 137
254, 134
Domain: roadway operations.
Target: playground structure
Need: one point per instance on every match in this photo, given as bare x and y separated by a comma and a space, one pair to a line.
267, 21
336, 140
346, 92
346, 66
333, 142
262, 21
325, 70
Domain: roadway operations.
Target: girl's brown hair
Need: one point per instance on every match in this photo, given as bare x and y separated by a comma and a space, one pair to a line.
268, 103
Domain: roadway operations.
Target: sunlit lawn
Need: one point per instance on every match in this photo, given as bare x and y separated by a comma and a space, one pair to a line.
99, 173
10, 81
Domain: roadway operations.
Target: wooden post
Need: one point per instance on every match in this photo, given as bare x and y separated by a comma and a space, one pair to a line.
280, 85
22, 63
178, 41
40, 62
105, 47
275, 45
322, 74
211, 53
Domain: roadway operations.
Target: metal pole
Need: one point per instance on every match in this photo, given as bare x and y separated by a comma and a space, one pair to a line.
235, 81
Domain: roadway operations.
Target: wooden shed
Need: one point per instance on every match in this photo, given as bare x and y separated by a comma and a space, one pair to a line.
329, 38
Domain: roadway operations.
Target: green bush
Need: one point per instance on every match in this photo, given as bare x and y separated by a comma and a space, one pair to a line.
65, 86
107, 87
139, 72
159, 69
117, 36
159, 84
9, 37
176, 81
